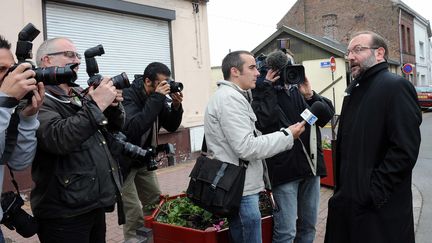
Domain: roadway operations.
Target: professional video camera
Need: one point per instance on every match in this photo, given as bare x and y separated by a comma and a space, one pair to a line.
289, 73
14, 217
48, 75
120, 81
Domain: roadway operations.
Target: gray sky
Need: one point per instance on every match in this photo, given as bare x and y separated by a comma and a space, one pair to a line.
244, 24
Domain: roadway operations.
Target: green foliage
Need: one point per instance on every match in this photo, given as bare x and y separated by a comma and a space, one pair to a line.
182, 212
326, 143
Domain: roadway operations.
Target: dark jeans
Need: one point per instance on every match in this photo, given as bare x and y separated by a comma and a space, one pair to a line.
86, 228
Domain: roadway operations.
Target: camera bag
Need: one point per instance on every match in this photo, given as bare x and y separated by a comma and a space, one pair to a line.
217, 186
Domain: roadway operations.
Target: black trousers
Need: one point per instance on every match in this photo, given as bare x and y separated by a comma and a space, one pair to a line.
86, 228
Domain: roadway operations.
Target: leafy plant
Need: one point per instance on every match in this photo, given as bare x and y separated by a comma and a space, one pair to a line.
182, 212
326, 143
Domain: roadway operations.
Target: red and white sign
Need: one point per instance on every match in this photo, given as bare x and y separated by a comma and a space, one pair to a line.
332, 64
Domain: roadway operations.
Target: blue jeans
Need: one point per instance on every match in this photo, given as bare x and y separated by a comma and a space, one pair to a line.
298, 203
2, 240
246, 226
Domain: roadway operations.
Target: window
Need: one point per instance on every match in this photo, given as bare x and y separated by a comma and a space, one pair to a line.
329, 25
421, 49
403, 38
408, 40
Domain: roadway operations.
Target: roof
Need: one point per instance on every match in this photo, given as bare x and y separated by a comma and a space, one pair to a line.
336, 48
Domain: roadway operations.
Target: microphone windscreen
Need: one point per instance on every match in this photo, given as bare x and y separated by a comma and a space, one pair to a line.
276, 60
322, 112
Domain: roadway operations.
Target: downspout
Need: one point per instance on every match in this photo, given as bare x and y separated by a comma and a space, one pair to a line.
400, 38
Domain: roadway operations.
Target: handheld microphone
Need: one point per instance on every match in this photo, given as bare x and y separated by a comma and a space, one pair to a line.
317, 113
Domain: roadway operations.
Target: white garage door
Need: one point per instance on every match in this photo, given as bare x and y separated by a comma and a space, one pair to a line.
130, 42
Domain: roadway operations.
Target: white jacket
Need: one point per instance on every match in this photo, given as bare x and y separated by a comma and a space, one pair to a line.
229, 125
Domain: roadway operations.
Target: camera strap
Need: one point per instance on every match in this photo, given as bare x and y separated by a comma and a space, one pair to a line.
13, 179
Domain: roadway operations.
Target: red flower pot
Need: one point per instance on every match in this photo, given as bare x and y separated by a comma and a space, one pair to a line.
329, 179
167, 233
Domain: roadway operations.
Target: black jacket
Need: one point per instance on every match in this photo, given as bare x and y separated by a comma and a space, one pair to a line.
276, 109
141, 112
73, 170
377, 147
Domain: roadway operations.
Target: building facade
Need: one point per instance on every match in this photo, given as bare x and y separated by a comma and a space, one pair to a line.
133, 33
338, 20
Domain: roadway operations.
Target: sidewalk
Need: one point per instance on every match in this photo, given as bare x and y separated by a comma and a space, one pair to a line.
174, 180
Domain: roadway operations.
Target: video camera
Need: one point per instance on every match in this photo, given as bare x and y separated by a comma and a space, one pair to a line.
120, 81
47, 75
289, 73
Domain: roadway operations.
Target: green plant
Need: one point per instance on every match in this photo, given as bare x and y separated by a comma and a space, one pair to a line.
326, 143
182, 212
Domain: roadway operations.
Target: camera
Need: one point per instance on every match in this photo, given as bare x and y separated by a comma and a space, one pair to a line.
289, 73
292, 74
175, 86
135, 152
120, 81
14, 217
49, 75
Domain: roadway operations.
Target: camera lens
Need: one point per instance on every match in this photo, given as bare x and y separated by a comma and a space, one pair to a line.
175, 86
56, 75
293, 74
121, 81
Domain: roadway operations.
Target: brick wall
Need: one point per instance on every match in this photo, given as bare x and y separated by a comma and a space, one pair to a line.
312, 16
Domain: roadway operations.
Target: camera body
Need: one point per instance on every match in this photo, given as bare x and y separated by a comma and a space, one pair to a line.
48, 75
120, 81
291, 74
14, 217
175, 86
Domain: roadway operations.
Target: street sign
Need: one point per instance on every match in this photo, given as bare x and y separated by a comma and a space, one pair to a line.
407, 68
332, 64
324, 64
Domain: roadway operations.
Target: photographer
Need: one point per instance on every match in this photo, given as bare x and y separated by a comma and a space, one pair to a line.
76, 178
295, 180
147, 110
17, 146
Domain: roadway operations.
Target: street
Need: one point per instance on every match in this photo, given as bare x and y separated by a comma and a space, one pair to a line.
422, 179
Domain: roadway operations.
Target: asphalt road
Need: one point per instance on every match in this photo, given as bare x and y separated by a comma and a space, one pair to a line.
422, 178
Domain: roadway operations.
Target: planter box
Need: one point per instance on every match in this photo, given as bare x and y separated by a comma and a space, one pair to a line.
167, 233
329, 179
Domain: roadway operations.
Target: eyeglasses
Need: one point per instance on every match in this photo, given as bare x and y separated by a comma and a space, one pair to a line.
356, 50
69, 54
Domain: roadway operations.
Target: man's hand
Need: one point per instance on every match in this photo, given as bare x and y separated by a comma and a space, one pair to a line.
118, 98
297, 129
19, 82
177, 99
36, 102
163, 88
272, 75
306, 89
104, 94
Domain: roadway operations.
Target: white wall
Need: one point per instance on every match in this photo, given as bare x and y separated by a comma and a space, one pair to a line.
422, 47
320, 78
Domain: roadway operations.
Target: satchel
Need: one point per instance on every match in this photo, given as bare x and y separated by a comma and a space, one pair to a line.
217, 186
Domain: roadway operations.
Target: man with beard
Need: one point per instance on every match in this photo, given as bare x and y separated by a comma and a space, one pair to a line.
377, 147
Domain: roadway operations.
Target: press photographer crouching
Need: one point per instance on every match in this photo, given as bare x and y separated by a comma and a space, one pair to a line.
18, 125
278, 101
153, 101
76, 177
